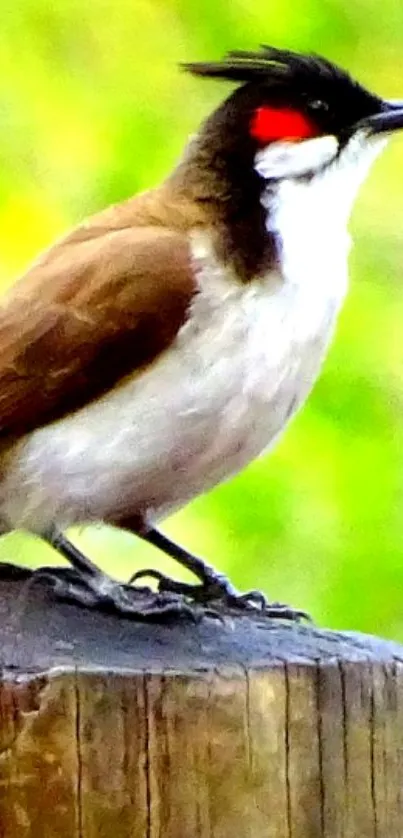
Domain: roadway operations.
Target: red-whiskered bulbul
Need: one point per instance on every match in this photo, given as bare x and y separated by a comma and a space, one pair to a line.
166, 342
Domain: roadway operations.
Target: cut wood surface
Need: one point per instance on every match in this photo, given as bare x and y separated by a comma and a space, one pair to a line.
246, 728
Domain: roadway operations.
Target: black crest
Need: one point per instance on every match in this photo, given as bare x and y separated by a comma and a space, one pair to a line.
277, 65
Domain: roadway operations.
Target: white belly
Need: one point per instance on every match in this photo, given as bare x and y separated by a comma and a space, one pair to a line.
240, 367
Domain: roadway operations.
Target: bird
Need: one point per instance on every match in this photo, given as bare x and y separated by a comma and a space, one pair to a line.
167, 341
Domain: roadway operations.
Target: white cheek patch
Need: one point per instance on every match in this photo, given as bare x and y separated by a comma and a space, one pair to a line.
287, 159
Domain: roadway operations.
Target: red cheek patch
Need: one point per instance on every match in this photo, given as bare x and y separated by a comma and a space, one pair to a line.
269, 124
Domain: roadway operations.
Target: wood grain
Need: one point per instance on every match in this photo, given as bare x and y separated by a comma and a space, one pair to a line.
247, 728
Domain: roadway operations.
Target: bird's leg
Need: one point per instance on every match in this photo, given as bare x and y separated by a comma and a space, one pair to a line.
85, 584
213, 587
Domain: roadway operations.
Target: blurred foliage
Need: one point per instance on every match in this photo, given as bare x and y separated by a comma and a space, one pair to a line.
94, 108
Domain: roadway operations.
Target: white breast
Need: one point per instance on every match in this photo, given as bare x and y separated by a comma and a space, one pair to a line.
240, 367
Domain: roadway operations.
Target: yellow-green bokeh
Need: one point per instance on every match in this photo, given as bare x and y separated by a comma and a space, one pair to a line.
94, 108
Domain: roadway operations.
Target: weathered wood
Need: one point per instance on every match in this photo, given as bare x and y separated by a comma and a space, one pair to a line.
248, 729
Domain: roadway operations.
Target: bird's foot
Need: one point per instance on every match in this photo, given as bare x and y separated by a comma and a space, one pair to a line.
85, 584
104, 593
216, 590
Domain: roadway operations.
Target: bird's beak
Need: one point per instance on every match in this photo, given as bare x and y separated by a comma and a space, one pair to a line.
389, 118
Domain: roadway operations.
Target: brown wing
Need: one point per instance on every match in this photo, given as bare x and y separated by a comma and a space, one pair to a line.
91, 311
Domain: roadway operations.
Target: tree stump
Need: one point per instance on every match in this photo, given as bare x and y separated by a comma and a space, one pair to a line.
249, 728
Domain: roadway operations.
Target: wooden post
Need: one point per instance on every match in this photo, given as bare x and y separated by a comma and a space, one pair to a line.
246, 729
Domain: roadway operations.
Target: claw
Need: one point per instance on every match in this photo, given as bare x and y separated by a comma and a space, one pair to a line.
219, 590
280, 611
102, 592
165, 583
150, 572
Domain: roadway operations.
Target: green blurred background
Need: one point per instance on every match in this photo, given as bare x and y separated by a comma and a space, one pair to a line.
92, 109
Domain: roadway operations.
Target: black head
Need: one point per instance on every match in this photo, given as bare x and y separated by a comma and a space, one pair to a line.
304, 94
282, 99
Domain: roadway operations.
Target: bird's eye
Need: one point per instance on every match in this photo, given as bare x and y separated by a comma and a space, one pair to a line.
318, 105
